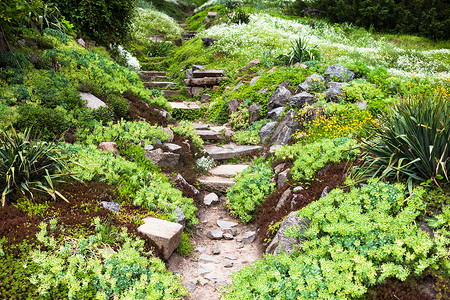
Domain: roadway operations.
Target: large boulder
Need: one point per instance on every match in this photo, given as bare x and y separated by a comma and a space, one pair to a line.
279, 97
233, 105
281, 242
266, 131
275, 113
285, 129
339, 73
299, 100
163, 159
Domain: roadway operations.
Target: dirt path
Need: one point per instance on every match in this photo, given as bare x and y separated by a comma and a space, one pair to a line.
212, 262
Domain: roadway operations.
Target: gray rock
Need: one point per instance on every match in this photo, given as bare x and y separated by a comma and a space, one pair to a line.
334, 94
279, 97
111, 205
286, 84
252, 64
229, 151
249, 237
339, 73
228, 170
275, 113
207, 259
191, 287
254, 80
215, 183
172, 147
92, 101
312, 80
283, 132
210, 135
163, 159
274, 148
148, 147
266, 131
215, 251
166, 235
253, 113
283, 199
205, 98
226, 224
238, 86
279, 167
299, 100
208, 42
233, 105
181, 181
283, 243
228, 236
210, 199
263, 90
333, 84
325, 191
181, 218
282, 178
200, 249
215, 234
228, 265
230, 257
232, 231
170, 133
190, 73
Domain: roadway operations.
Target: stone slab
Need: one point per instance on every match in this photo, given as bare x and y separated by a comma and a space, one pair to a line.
228, 170
205, 81
160, 84
208, 73
167, 235
148, 75
229, 151
184, 105
199, 126
92, 101
210, 135
217, 184
167, 93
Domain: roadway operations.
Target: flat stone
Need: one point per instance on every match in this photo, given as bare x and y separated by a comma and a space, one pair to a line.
254, 80
249, 237
210, 135
215, 183
215, 251
205, 81
230, 257
211, 198
282, 178
149, 75
92, 101
226, 224
199, 126
229, 151
266, 131
228, 236
215, 234
232, 231
111, 205
181, 181
167, 93
228, 265
148, 147
200, 249
172, 147
166, 235
184, 105
207, 258
228, 170
275, 113
161, 84
209, 73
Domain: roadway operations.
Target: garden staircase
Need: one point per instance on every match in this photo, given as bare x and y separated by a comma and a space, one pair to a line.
204, 78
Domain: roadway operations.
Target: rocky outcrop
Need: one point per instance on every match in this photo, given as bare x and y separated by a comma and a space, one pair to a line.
285, 129
339, 73
279, 97
163, 159
266, 131
299, 100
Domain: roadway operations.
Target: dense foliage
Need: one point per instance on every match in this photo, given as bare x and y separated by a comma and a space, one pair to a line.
428, 18
352, 241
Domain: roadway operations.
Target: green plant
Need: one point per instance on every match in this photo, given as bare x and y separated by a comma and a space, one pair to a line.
184, 128
89, 267
205, 163
310, 158
185, 248
251, 189
159, 48
28, 166
412, 142
31, 208
300, 52
351, 241
239, 16
250, 135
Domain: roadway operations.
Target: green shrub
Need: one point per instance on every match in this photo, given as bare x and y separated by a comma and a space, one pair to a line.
28, 166
104, 21
150, 22
185, 248
219, 112
310, 158
412, 142
251, 134
89, 267
352, 241
300, 52
184, 128
251, 189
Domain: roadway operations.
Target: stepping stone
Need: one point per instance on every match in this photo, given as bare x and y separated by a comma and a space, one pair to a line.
227, 170
215, 234
210, 135
218, 184
249, 237
184, 105
161, 84
208, 73
230, 257
188, 36
207, 259
229, 151
146, 75
205, 81
199, 126
92, 101
210, 198
226, 224
172, 147
167, 93
166, 235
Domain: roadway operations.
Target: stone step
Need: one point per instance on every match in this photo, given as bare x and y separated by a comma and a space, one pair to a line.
160, 84
208, 73
184, 105
200, 126
167, 93
210, 134
216, 184
147, 75
165, 234
229, 151
187, 36
227, 170
205, 81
